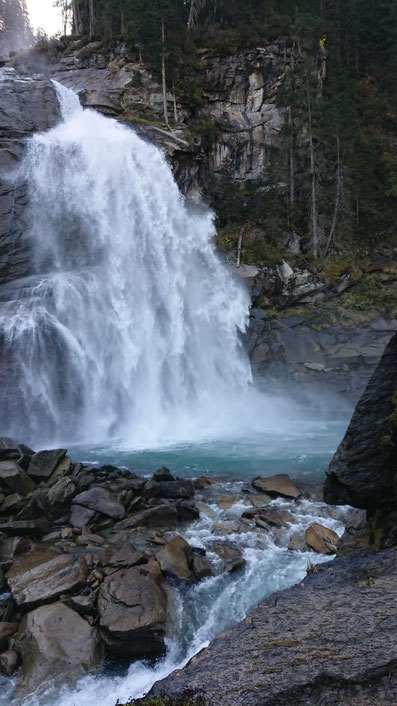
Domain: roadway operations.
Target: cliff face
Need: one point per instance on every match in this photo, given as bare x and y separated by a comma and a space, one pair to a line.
363, 472
26, 105
239, 93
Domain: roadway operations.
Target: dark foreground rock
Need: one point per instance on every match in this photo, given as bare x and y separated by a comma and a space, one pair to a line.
363, 470
329, 640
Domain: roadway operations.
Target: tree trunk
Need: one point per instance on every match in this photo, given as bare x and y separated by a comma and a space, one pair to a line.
92, 18
337, 197
77, 27
163, 74
239, 246
313, 205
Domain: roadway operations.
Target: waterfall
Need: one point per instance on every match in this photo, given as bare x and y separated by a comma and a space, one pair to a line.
129, 323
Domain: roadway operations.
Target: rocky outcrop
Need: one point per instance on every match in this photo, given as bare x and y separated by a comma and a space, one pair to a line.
26, 106
363, 470
335, 358
329, 639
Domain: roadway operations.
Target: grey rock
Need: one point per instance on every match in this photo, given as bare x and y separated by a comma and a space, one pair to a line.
56, 645
132, 609
44, 463
280, 485
81, 516
306, 645
363, 469
14, 479
30, 528
163, 475
101, 500
44, 575
175, 559
158, 516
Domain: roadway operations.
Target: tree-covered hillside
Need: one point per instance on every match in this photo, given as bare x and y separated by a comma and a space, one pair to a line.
333, 178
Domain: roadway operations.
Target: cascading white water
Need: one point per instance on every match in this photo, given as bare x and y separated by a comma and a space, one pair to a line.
129, 324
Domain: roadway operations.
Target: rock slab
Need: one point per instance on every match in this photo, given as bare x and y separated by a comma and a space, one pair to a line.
328, 640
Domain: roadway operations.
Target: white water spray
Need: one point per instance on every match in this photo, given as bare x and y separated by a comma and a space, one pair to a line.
129, 324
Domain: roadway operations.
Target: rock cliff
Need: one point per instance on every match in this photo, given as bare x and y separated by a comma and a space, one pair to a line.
26, 105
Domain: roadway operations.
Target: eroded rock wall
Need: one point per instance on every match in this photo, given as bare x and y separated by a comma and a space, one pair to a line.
27, 105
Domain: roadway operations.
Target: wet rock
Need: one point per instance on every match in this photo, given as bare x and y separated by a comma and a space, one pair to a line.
7, 630
175, 559
362, 471
321, 539
30, 528
101, 500
44, 575
9, 662
268, 517
260, 500
178, 490
201, 567
227, 501
44, 463
328, 640
297, 542
132, 608
280, 485
8, 448
83, 605
55, 644
81, 516
13, 547
14, 479
158, 516
121, 555
204, 482
12, 504
231, 557
151, 489
163, 475
186, 511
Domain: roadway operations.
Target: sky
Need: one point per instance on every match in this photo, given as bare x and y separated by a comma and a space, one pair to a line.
43, 14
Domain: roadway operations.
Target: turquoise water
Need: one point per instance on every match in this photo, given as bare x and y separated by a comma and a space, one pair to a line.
304, 451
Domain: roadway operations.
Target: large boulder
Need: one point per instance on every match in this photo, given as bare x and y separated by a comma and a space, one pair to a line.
56, 645
101, 500
328, 640
13, 479
280, 485
44, 575
322, 539
363, 470
6, 631
175, 559
44, 463
132, 609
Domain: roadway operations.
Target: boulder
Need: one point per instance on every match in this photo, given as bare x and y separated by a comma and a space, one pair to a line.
163, 475
280, 485
30, 528
14, 479
121, 555
260, 500
201, 567
157, 516
7, 630
44, 463
12, 504
321, 539
186, 511
101, 500
55, 645
132, 609
297, 542
9, 662
81, 516
178, 490
268, 517
175, 559
84, 605
44, 575
204, 482
362, 472
11, 449
227, 501
231, 557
